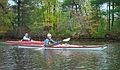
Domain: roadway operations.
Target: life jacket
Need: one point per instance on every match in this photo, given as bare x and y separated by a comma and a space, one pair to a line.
50, 42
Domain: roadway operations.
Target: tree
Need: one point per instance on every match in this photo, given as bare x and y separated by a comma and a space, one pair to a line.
6, 17
23, 10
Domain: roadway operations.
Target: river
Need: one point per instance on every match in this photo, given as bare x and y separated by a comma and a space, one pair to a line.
12, 58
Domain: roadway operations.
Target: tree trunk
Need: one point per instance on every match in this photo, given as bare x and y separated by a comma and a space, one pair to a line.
18, 13
113, 5
54, 11
109, 24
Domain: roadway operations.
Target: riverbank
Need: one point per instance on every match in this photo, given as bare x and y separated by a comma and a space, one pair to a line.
73, 40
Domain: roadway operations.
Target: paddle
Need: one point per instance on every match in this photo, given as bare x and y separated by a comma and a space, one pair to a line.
58, 42
66, 40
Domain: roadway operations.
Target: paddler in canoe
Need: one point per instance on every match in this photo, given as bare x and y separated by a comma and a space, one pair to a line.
26, 37
49, 41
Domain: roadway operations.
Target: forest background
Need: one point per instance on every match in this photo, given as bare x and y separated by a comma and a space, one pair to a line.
91, 19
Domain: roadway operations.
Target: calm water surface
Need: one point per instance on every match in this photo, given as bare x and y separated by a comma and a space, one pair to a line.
30, 59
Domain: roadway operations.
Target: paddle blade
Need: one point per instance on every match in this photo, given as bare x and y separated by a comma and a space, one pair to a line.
65, 40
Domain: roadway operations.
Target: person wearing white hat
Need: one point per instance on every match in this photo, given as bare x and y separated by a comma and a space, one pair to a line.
48, 41
26, 37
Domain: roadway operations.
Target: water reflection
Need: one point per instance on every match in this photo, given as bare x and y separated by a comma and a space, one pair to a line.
75, 60
113, 59
6, 61
30, 59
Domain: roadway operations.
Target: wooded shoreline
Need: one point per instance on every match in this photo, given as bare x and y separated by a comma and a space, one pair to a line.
78, 19
57, 38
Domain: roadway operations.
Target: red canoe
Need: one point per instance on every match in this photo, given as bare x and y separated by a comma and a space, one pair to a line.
40, 45
25, 43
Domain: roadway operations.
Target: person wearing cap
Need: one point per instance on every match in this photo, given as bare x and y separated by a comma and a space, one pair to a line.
48, 41
26, 37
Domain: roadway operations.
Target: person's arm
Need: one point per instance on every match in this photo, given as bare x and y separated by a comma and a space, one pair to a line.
53, 42
26, 38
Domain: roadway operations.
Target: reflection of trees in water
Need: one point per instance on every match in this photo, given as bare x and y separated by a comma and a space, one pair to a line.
60, 59
6, 58
3, 57
85, 60
113, 58
27, 59
23, 59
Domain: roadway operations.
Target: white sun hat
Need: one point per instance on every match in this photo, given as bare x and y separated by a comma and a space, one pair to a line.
49, 34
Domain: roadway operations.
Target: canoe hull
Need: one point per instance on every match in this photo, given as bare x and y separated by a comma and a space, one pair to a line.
69, 47
26, 43
39, 45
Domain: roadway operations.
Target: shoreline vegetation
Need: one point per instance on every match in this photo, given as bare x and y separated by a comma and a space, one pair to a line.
81, 41
57, 38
